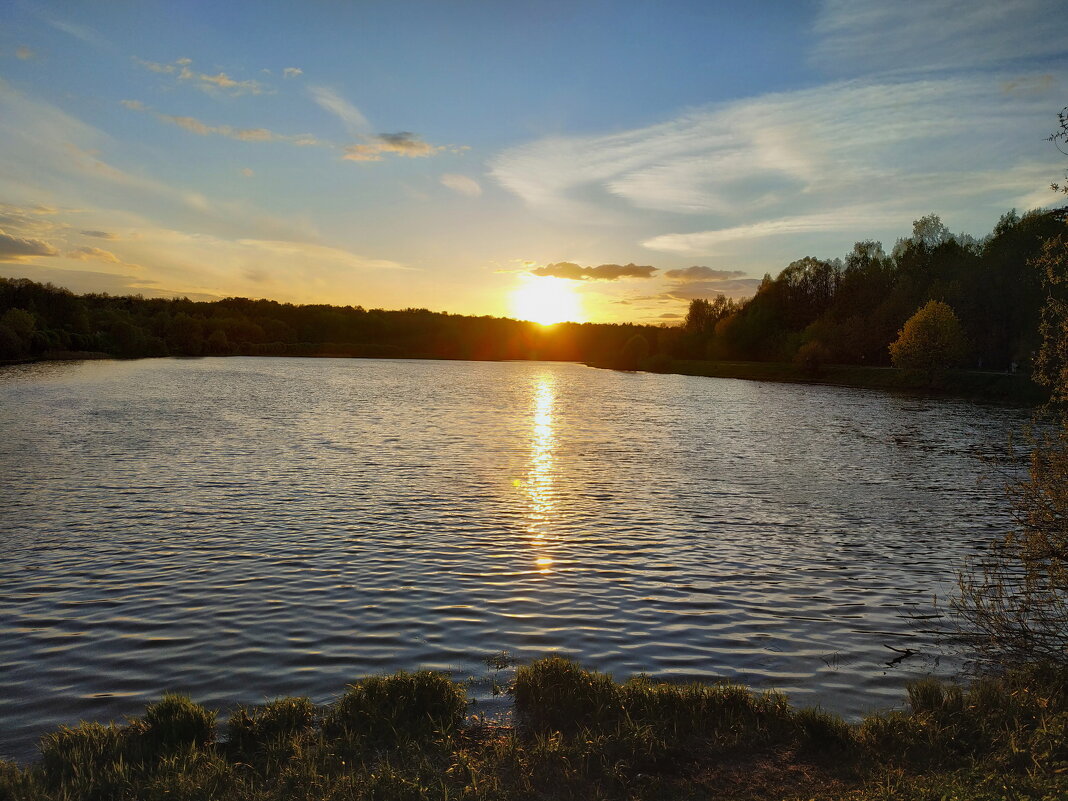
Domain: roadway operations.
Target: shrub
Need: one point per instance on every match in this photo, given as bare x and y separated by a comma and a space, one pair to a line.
392, 708
250, 729
931, 341
174, 722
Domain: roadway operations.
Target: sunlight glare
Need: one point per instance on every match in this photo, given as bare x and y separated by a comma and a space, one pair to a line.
546, 301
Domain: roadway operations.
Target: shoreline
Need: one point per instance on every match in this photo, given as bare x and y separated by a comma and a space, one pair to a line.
577, 734
976, 385
996, 387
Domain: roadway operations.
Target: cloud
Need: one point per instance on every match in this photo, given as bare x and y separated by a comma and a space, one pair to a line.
82, 32
220, 82
14, 248
897, 35
373, 146
292, 72
733, 288
602, 272
462, 184
23, 53
200, 128
400, 144
801, 161
94, 254
94, 281
355, 123
695, 273
99, 234
702, 242
50, 154
155, 66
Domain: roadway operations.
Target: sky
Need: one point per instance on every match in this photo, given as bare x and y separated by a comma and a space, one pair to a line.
629, 156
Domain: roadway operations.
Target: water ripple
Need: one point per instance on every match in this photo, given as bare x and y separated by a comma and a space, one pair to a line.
243, 528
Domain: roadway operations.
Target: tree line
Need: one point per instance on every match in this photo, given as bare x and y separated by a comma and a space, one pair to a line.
850, 310
41, 321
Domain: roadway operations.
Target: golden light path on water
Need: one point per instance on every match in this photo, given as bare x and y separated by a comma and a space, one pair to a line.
538, 486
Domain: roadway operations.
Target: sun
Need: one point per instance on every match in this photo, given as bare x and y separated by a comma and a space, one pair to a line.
546, 301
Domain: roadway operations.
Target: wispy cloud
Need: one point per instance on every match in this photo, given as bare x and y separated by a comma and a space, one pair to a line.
705, 241
373, 145
461, 184
15, 248
801, 161
736, 288
355, 123
86, 253
219, 82
403, 143
602, 272
193, 125
51, 154
292, 72
697, 273
901, 36
78, 31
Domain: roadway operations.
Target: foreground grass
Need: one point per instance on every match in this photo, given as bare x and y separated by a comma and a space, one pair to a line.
973, 384
579, 735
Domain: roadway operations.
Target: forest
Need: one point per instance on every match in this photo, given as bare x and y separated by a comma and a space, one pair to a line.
841, 311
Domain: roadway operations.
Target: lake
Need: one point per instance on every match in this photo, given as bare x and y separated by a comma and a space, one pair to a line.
241, 528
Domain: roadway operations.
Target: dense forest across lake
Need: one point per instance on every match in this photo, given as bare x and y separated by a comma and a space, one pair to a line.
842, 311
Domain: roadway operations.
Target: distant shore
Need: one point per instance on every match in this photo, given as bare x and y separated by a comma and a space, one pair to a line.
997, 387
980, 385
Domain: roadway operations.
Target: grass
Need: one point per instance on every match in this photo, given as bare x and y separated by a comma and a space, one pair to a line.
578, 735
974, 384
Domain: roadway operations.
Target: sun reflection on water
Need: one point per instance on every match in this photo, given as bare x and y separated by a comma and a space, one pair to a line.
539, 482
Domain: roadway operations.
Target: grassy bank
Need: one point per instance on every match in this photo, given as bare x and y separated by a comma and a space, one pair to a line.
973, 384
579, 735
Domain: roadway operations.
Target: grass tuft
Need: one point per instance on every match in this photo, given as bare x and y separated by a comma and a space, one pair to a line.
391, 709
256, 729
175, 722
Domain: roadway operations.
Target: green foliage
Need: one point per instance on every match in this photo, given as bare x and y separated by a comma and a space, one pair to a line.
392, 708
931, 341
1014, 600
641, 740
811, 358
131, 327
175, 722
1051, 365
634, 352
258, 728
556, 694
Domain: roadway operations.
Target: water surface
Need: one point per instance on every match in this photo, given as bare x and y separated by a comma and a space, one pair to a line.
241, 529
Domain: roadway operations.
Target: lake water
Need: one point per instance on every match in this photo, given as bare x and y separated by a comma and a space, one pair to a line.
242, 528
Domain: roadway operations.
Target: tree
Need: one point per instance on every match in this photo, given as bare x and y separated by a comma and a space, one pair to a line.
1057, 137
634, 352
1015, 599
1051, 365
931, 341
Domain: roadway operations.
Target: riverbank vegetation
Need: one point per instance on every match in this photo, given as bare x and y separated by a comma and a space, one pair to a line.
577, 734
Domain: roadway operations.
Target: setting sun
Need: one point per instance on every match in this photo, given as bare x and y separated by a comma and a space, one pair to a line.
546, 301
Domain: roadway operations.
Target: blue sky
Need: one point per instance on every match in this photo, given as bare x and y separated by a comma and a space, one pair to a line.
436, 153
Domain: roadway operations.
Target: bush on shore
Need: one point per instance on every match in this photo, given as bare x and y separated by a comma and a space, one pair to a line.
578, 735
